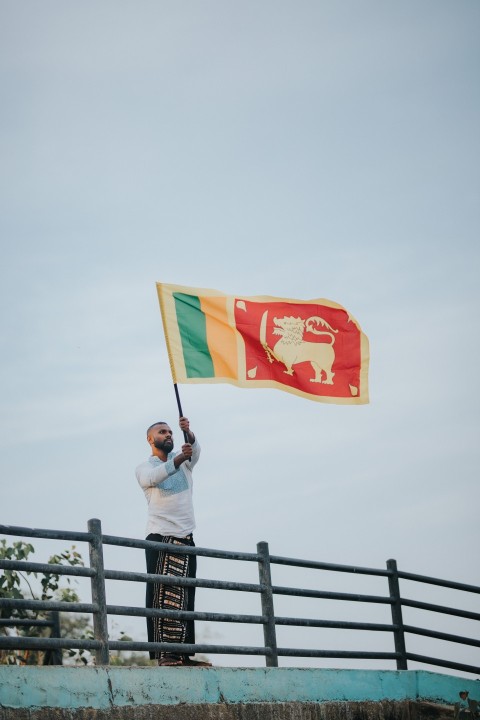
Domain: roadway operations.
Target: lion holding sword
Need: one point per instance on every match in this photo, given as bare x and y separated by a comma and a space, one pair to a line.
292, 349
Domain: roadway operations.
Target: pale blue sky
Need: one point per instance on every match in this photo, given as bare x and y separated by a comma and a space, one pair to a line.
298, 149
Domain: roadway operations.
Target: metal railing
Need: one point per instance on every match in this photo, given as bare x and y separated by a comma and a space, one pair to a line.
53, 656
101, 646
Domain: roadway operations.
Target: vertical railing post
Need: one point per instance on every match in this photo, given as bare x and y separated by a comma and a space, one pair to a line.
269, 634
57, 658
397, 619
100, 625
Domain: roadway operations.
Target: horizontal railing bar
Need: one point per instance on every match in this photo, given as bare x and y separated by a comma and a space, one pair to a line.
181, 582
14, 604
441, 636
298, 592
27, 643
45, 534
47, 568
185, 649
306, 652
437, 581
314, 565
180, 549
126, 542
443, 663
14, 622
19, 643
22, 643
335, 624
440, 609
205, 616
185, 614
120, 645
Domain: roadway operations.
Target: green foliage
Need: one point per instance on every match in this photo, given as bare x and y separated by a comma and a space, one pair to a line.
76, 625
18, 585
50, 581
10, 581
12, 586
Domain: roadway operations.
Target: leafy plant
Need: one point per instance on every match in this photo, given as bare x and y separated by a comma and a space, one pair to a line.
12, 586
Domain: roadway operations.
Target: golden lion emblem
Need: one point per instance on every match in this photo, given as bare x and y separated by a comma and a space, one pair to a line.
292, 349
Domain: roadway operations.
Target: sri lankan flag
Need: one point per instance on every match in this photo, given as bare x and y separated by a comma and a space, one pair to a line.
312, 348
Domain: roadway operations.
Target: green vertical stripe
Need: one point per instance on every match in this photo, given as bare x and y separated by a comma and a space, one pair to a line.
193, 333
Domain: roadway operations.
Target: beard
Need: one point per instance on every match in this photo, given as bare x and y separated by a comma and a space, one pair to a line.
165, 446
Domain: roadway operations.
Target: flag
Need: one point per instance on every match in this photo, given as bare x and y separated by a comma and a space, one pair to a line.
312, 348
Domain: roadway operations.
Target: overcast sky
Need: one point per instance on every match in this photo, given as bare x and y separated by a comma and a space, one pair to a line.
296, 149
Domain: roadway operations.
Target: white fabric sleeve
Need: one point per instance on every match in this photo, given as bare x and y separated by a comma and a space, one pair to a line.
149, 476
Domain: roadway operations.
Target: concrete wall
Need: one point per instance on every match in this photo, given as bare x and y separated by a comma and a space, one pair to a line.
104, 693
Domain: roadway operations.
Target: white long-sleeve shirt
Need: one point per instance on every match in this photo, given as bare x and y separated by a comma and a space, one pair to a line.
169, 493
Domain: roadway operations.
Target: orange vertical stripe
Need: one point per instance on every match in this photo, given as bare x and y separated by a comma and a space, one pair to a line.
221, 337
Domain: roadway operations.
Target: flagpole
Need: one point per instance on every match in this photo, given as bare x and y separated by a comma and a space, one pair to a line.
169, 352
179, 404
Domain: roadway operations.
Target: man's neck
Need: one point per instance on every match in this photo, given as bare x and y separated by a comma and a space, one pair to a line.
160, 454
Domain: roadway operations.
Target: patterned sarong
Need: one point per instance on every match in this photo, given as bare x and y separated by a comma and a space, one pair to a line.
170, 597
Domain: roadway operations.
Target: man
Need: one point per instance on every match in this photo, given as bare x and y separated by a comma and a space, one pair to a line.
166, 479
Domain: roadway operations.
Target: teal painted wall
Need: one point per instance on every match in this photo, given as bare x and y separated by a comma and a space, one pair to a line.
104, 687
